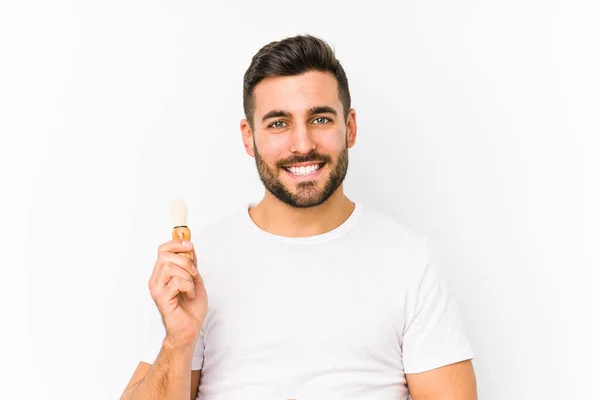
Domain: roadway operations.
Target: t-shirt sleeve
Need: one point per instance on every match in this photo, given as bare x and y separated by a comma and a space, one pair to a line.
433, 335
155, 334
198, 359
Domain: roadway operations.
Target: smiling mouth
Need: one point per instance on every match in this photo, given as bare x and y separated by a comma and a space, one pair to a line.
305, 169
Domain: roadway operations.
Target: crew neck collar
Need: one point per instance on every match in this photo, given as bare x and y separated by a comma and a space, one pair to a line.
333, 234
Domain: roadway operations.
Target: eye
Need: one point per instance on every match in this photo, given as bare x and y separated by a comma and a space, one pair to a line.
277, 124
321, 120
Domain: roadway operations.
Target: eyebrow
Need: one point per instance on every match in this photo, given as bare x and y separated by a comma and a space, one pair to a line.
322, 110
312, 111
276, 114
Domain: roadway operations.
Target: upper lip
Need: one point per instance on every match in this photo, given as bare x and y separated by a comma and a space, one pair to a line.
304, 164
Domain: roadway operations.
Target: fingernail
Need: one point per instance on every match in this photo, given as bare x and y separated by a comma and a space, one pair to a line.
185, 243
195, 269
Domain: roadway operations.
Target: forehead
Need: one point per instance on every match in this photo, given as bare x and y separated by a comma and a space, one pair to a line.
297, 93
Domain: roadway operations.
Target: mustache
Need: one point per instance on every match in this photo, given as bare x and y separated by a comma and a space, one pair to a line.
312, 156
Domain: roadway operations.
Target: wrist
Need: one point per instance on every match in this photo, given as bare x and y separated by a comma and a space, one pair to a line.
178, 344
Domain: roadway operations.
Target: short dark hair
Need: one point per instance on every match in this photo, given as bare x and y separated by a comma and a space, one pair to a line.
293, 56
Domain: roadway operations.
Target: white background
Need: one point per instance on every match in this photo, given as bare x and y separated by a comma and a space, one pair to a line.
477, 125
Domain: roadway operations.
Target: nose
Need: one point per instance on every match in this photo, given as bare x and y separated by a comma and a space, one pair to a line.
301, 140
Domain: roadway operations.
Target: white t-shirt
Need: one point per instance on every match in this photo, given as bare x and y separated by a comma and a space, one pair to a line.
341, 315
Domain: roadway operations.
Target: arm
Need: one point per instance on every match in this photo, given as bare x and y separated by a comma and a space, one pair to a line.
451, 382
178, 291
436, 352
170, 377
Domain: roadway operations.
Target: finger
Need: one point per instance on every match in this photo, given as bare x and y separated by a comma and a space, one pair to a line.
178, 285
181, 261
172, 246
190, 265
187, 253
175, 259
176, 246
194, 258
169, 271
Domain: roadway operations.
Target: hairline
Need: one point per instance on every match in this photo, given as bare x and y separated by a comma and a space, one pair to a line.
253, 94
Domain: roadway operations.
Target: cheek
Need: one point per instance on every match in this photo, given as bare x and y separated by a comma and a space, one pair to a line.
272, 148
331, 143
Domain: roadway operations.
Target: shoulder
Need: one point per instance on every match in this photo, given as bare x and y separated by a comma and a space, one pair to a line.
221, 242
389, 230
228, 225
407, 249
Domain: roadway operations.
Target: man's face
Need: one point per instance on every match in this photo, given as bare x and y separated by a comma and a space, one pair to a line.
300, 140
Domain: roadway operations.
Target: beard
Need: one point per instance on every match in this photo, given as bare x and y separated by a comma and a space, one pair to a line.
307, 194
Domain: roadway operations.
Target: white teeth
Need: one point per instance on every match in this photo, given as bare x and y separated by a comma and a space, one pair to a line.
303, 170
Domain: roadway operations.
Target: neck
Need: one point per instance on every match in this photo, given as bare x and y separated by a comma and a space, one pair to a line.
278, 218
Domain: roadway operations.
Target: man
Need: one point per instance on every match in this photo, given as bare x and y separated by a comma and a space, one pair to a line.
305, 294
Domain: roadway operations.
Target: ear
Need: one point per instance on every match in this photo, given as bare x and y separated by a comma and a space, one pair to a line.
247, 137
351, 127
